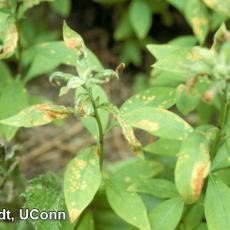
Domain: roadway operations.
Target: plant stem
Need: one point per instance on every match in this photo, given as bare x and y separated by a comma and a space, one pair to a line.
100, 129
223, 116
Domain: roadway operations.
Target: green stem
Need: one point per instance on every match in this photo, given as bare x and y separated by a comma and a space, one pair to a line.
223, 116
100, 129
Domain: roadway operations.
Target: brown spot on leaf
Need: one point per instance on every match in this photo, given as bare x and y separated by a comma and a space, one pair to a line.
73, 43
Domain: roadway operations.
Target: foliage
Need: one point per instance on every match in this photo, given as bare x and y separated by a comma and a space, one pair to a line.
143, 192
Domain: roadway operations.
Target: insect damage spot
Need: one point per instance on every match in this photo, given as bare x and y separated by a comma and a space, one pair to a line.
199, 173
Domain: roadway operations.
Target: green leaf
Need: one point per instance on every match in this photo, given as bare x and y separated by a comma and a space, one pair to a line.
184, 40
165, 147
166, 215
158, 122
86, 221
37, 115
222, 158
131, 53
187, 98
160, 188
81, 182
123, 29
194, 216
47, 56
6, 76
184, 59
162, 51
85, 61
217, 205
159, 97
8, 36
192, 166
128, 206
221, 6
197, 15
13, 99
27, 4
45, 194
137, 171
61, 7
140, 17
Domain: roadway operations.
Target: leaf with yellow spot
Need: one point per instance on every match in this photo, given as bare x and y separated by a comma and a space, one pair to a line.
192, 166
160, 97
75, 42
8, 36
128, 205
197, 15
221, 6
72, 39
47, 56
159, 122
217, 204
184, 60
81, 182
37, 115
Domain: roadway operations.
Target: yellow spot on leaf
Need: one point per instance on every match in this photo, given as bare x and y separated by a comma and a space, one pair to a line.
198, 23
199, 173
151, 126
194, 55
74, 213
80, 164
